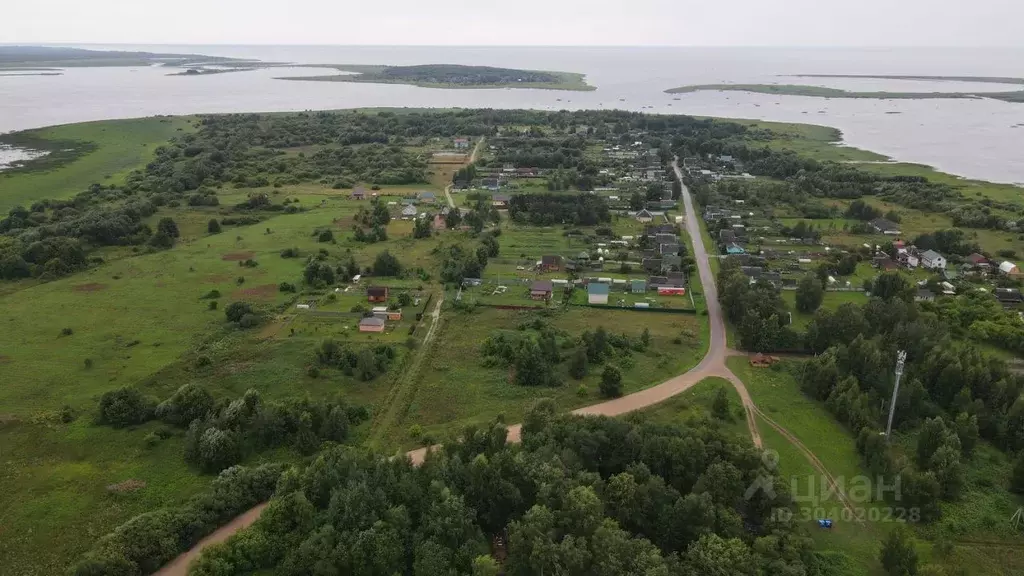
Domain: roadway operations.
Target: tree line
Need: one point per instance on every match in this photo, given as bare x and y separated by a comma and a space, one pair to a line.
579, 496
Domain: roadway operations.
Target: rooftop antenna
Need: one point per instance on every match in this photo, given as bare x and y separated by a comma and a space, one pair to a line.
901, 357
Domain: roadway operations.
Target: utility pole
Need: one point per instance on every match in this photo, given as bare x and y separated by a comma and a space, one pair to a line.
901, 357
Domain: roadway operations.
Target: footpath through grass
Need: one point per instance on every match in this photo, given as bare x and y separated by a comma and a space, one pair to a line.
83, 154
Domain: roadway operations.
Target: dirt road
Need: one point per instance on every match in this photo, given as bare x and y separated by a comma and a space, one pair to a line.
713, 364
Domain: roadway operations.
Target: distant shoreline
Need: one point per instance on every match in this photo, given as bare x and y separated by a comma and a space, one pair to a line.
825, 92
460, 77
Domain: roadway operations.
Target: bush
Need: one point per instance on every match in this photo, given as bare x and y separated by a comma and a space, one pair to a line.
210, 295
124, 407
212, 305
611, 382
325, 236
67, 414
213, 227
188, 403
286, 287
249, 321
203, 361
415, 431
66, 332
290, 253
237, 310
313, 372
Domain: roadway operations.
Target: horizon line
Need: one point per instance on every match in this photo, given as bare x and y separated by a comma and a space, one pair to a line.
762, 46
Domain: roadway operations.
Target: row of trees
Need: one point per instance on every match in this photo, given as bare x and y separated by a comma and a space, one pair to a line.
222, 433
549, 209
578, 496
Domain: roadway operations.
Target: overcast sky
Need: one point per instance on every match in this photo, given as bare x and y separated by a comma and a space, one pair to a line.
520, 22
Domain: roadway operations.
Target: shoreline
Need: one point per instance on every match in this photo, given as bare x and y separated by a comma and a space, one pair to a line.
839, 142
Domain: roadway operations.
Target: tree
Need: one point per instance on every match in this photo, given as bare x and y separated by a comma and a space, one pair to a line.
892, 285
720, 407
898, 553
578, 364
386, 264
611, 382
213, 227
168, 227
422, 228
237, 310
453, 219
645, 338
809, 294
124, 407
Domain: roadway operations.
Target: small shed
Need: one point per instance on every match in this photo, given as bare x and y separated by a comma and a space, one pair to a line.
377, 293
638, 286
541, 290
597, 293
644, 216
371, 324
671, 291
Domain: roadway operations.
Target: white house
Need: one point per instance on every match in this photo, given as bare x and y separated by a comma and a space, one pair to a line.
933, 260
1009, 268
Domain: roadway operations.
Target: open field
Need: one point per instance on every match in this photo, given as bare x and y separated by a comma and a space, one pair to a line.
83, 154
831, 301
456, 388
697, 404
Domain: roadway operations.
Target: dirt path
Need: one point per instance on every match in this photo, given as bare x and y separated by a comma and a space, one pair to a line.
179, 566
404, 389
713, 364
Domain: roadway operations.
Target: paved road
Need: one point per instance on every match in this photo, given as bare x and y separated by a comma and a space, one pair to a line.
713, 364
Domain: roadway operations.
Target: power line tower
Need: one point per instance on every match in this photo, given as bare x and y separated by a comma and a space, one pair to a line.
901, 357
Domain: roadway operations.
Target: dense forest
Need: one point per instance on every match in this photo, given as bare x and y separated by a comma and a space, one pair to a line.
579, 496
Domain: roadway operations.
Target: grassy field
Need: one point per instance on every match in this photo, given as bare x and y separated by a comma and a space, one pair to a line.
831, 301
977, 524
372, 75
696, 404
83, 154
140, 320
456, 388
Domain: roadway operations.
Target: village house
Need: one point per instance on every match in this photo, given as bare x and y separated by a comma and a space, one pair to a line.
597, 293
652, 265
377, 293
359, 194
371, 324
1009, 269
550, 263
500, 200
671, 262
461, 143
883, 226
933, 260
394, 315
489, 183
541, 290
428, 197
408, 212
884, 263
671, 291
638, 286
978, 261
733, 249
644, 216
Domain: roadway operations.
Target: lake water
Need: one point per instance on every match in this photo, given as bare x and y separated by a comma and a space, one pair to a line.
975, 138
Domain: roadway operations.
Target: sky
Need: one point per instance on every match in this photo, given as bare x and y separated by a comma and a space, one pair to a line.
522, 22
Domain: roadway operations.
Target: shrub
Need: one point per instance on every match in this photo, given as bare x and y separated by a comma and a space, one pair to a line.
213, 227
88, 363
313, 372
237, 310
249, 321
66, 332
415, 431
124, 407
210, 295
325, 236
286, 287
203, 362
67, 414
611, 382
290, 253
240, 280
212, 305
188, 403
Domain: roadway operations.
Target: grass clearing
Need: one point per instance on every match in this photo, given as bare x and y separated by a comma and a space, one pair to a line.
831, 301
82, 154
697, 404
455, 388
